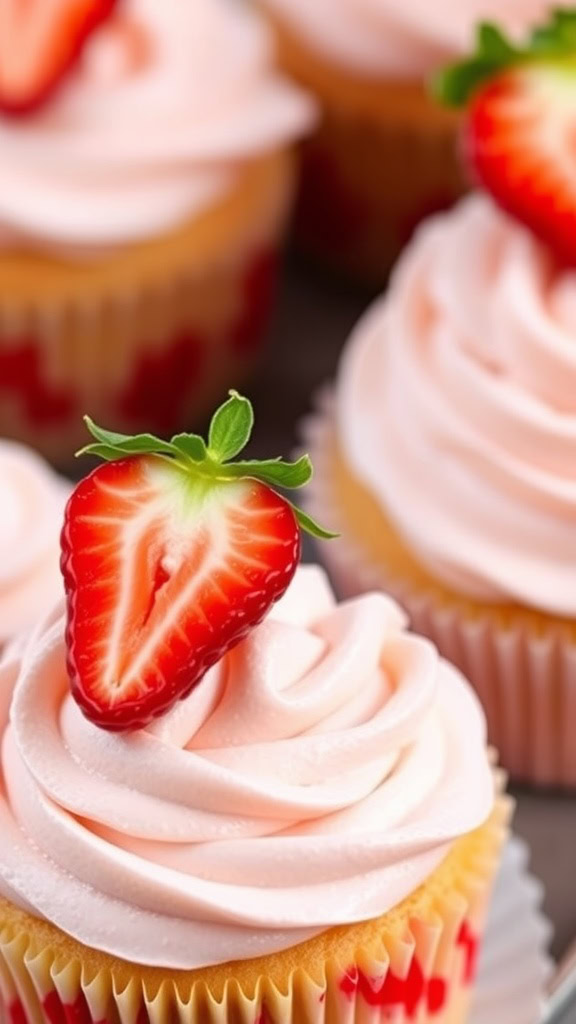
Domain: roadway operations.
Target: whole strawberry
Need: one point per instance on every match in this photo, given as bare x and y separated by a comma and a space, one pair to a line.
171, 554
520, 127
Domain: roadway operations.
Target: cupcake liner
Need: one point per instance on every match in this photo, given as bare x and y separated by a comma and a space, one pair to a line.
514, 965
526, 681
420, 968
384, 156
143, 340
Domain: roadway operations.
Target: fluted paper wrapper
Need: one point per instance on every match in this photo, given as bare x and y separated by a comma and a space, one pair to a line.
420, 967
515, 966
525, 680
149, 341
384, 156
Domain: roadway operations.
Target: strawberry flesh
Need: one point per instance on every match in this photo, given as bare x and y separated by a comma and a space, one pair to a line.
164, 573
40, 42
521, 144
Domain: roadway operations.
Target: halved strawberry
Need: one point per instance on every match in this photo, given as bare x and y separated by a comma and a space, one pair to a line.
520, 130
171, 554
40, 40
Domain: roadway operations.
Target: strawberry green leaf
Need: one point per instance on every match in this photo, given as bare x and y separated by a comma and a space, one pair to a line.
118, 445
191, 445
275, 471
229, 432
310, 525
494, 54
230, 428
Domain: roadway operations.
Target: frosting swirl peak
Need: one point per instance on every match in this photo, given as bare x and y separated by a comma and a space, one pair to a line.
457, 409
316, 776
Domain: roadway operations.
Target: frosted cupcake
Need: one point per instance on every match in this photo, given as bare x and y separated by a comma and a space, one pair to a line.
32, 500
143, 196
449, 455
384, 155
293, 820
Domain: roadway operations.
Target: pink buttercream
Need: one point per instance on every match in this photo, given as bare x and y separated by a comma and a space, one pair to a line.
171, 98
406, 38
316, 776
457, 408
32, 502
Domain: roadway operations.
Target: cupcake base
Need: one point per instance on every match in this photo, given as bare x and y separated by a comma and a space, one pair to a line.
383, 158
522, 663
417, 963
148, 338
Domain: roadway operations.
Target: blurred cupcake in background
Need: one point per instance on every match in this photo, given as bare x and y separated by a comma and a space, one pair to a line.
384, 155
447, 456
146, 175
32, 500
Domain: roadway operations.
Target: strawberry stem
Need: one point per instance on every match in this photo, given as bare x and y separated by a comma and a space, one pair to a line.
229, 432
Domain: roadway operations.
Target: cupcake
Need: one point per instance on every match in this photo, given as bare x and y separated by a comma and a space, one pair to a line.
31, 507
279, 813
144, 187
384, 155
448, 451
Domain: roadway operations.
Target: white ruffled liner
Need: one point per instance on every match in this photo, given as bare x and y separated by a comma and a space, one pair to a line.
515, 967
90, 339
78, 994
527, 683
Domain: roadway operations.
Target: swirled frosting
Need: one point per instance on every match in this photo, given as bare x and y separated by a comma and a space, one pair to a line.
170, 99
316, 776
32, 502
457, 409
396, 37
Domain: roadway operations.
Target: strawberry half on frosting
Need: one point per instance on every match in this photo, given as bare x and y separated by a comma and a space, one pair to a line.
171, 553
520, 129
40, 41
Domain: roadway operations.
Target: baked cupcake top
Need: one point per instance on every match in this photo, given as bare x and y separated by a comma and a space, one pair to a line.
394, 37
31, 507
148, 128
203, 761
456, 407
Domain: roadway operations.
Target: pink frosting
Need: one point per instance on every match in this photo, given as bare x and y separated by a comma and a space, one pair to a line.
170, 99
316, 776
401, 37
32, 502
457, 408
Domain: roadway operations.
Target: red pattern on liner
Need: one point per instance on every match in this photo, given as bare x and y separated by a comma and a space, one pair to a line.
163, 384
58, 1012
21, 376
259, 288
471, 945
414, 992
16, 1012
411, 993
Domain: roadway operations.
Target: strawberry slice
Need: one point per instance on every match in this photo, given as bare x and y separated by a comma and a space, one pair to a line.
171, 554
520, 130
40, 41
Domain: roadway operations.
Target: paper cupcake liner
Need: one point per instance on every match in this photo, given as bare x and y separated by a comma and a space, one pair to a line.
514, 965
526, 681
151, 347
384, 156
421, 967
